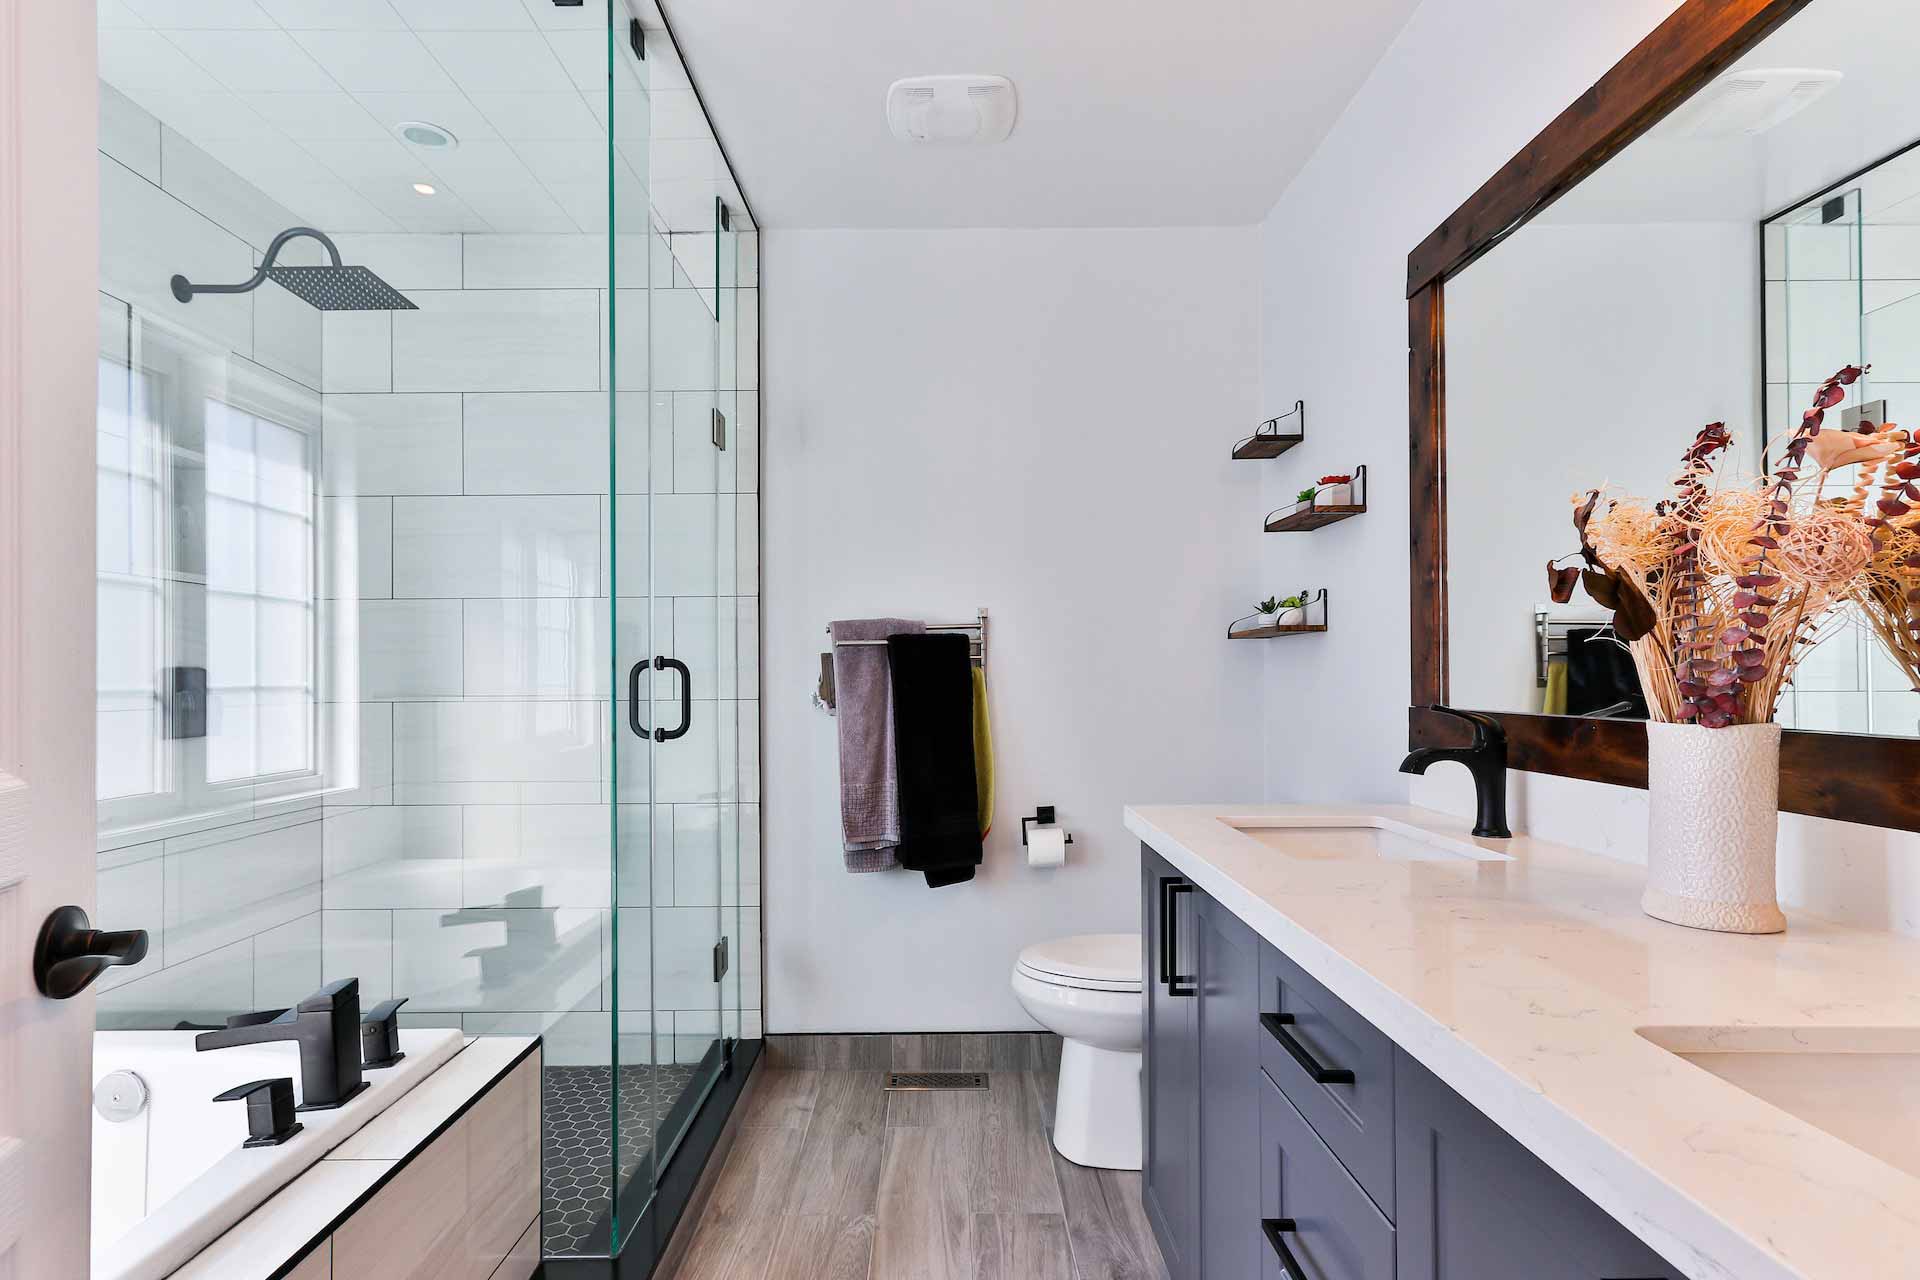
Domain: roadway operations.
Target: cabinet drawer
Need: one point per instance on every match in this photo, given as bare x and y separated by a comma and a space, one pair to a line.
1334, 1066
1313, 1208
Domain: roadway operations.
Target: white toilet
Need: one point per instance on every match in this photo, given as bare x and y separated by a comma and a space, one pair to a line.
1086, 989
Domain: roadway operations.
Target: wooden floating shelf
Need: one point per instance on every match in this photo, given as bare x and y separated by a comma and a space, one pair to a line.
1269, 441
1309, 513
1315, 606
1265, 446
1311, 518
1271, 633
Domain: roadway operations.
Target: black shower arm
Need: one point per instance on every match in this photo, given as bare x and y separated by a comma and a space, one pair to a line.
184, 290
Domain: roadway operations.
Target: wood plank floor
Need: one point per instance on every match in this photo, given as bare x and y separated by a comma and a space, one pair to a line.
833, 1178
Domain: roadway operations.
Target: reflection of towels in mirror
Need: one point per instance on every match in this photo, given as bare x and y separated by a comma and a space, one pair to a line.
1600, 673
1553, 699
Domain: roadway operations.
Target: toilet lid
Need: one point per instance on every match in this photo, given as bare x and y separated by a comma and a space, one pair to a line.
1102, 961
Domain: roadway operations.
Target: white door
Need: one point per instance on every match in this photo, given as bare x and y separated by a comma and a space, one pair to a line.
49, 251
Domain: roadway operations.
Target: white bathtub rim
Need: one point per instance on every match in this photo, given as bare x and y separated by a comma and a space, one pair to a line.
242, 1180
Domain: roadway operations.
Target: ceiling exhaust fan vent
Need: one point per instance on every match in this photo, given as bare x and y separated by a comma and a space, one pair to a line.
952, 109
1750, 101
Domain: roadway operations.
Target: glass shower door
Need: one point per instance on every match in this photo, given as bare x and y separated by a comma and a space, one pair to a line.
669, 730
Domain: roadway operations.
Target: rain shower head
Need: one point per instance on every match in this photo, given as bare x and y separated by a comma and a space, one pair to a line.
330, 288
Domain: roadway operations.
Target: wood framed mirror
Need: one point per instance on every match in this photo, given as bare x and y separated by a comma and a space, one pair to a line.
1669, 137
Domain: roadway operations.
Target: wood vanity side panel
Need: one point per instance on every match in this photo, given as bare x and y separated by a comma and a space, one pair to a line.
503, 1165
317, 1265
414, 1227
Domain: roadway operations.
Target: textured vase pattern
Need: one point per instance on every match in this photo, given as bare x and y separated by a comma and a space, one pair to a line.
1712, 825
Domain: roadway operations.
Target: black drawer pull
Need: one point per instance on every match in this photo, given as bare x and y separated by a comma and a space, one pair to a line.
1275, 1228
1176, 984
1276, 1025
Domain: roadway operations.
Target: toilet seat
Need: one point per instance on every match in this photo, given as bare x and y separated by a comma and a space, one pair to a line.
1086, 962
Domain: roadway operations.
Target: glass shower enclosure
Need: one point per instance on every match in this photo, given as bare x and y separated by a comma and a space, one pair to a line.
429, 636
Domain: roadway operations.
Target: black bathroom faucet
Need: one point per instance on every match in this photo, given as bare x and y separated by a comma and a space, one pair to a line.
326, 1025
1486, 759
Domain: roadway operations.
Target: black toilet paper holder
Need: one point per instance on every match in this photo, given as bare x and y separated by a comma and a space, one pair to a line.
1043, 815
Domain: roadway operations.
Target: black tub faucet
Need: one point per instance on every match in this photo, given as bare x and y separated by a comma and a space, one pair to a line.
1486, 759
326, 1025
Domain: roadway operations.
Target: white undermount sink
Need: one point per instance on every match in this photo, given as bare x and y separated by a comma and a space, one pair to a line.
1862, 1085
1363, 838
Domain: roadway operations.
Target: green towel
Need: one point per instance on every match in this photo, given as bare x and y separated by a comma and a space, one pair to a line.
1553, 698
982, 750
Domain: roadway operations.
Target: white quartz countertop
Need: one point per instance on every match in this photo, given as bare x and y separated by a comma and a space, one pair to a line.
1524, 984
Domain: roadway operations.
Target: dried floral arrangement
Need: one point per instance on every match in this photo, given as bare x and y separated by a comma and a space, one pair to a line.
1718, 591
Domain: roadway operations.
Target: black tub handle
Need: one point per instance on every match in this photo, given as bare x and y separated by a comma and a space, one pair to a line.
1277, 1229
1276, 1025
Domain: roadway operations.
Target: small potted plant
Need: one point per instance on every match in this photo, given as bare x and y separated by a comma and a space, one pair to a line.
1337, 490
1290, 612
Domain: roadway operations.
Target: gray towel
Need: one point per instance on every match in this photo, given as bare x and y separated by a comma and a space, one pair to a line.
869, 784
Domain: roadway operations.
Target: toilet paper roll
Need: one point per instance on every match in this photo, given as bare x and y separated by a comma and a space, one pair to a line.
1046, 846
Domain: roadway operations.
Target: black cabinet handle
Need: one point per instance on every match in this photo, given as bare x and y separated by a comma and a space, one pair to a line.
659, 663
686, 699
1276, 1025
1276, 1229
1176, 984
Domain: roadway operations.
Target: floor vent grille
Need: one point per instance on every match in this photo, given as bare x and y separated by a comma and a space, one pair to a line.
901, 1081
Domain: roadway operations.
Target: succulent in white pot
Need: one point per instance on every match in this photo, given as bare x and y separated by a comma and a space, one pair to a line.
1288, 612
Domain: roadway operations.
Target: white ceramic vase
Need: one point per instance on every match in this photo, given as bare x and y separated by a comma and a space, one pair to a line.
1335, 495
1711, 826
1293, 617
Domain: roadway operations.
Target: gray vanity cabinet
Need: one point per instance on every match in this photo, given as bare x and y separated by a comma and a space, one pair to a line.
1170, 1185
1288, 1136
1474, 1202
1231, 1242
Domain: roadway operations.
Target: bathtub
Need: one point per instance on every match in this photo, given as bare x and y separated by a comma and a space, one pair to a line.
169, 1173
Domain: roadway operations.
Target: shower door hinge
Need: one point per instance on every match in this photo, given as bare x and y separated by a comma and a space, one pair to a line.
636, 39
719, 959
719, 431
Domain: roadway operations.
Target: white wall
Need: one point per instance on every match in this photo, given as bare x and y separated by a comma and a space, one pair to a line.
1466, 85
1038, 422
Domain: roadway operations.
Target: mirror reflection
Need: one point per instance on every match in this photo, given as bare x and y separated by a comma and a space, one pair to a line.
1759, 240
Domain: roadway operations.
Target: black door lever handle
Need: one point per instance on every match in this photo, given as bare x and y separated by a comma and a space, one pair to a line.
71, 953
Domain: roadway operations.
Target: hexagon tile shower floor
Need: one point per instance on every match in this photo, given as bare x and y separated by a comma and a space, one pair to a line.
576, 1148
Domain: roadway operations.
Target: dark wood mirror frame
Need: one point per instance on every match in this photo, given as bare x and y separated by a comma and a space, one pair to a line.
1852, 777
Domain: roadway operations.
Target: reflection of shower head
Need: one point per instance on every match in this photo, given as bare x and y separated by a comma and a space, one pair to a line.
330, 288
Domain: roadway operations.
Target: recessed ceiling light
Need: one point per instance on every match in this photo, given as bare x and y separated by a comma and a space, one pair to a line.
424, 188
422, 133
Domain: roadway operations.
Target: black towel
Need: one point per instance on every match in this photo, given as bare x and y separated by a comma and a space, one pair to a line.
1601, 674
933, 746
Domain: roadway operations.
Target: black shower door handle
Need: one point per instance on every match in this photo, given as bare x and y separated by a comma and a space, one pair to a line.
686, 700
633, 699
659, 663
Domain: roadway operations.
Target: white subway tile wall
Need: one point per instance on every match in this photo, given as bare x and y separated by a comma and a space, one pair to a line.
464, 850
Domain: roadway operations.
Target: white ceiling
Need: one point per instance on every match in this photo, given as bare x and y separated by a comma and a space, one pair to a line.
1131, 113
300, 98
